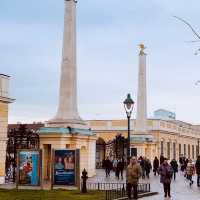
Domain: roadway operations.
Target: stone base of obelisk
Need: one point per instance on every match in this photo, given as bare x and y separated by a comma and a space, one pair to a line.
70, 137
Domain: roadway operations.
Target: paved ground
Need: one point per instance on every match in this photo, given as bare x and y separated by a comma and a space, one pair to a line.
180, 188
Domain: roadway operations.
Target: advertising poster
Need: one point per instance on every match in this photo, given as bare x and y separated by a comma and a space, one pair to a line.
64, 167
28, 166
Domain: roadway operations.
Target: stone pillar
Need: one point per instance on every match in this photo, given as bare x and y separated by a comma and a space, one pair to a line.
67, 112
4, 101
141, 118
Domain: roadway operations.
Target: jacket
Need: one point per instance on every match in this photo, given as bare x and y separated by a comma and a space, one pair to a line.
165, 171
197, 165
133, 174
190, 169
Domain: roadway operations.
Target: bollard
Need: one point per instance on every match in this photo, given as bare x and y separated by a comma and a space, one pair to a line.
84, 178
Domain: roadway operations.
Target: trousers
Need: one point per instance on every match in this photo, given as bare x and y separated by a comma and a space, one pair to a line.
131, 187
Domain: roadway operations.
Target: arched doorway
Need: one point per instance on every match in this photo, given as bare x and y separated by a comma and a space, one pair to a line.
100, 152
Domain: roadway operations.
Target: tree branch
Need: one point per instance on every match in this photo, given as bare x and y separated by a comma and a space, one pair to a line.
190, 26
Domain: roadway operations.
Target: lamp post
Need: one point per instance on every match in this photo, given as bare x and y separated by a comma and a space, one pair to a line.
128, 106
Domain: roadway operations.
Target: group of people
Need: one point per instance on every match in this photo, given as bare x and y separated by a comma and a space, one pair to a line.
141, 167
117, 165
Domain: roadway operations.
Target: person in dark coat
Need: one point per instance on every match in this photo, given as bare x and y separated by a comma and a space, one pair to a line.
108, 166
197, 166
147, 167
174, 166
162, 159
155, 165
165, 172
142, 165
120, 168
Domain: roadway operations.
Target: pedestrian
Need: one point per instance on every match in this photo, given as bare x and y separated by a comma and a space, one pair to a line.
161, 159
133, 174
181, 162
115, 166
108, 167
197, 166
174, 166
165, 172
120, 168
142, 164
155, 166
148, 167
190, 169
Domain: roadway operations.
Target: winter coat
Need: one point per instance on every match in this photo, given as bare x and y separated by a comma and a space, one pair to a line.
155, 164
165, 171
133, 173
174, 165
197, 165
190, 169
108, 164
148, 166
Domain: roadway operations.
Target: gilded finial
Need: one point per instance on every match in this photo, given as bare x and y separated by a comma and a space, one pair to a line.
142, 48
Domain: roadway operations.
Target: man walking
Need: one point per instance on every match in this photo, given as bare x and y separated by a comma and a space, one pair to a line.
197, 166
108, 166
133, 174
174, 166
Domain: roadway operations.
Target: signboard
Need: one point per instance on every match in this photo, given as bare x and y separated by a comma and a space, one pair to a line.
29, 167
64, 169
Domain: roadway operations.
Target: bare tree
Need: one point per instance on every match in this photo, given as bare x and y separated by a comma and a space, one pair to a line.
196, 34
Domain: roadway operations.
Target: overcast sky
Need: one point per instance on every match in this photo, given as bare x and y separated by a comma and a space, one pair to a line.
108, 32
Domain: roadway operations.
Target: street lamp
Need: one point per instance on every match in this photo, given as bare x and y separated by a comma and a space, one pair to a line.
128, 105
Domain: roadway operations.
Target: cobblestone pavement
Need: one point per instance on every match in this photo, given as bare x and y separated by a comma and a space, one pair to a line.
180, 187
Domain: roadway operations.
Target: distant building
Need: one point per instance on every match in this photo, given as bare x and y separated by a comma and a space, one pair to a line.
164, 114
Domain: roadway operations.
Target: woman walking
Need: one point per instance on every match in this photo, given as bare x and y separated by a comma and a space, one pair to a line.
165, 172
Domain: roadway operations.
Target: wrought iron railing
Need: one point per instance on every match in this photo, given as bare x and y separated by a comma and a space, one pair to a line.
117, 190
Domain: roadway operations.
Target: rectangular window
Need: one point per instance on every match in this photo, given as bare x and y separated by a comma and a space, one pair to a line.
168, 150
192, 151
180, 150
174, 150
189, 151
162, 148
184, 150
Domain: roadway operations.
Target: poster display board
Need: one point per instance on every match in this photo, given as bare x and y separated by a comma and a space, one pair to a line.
65, 167
29, 167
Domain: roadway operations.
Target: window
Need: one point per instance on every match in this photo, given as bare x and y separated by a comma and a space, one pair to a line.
184, 150
162, 148
188, 150
192, 151
180, 150
168, 150
174, 150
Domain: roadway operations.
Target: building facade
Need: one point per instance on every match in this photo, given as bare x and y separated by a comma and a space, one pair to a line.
4, 102
170, 138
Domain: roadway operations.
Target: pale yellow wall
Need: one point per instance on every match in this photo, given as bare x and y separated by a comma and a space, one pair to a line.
86, 144
3, 135
168, 131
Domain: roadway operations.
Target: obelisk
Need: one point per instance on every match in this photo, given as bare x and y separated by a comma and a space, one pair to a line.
141, 117
67, 113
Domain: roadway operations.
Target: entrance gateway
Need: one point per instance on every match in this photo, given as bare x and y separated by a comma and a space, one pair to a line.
67, 130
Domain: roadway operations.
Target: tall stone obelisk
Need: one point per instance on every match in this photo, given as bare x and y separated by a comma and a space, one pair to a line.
141, 117
67, 130
67, 113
